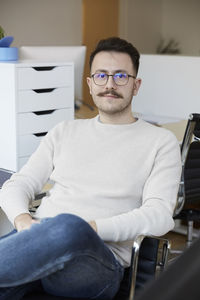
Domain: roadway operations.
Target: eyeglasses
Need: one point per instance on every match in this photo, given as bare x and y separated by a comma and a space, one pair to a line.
120, 78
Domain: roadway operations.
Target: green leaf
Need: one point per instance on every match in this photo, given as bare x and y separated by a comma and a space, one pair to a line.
2, 32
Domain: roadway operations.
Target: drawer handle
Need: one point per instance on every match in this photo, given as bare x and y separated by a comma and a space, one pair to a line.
40, 134
43, 68
43, 112
40, 91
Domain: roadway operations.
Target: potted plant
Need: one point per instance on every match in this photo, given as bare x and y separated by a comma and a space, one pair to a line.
168, 47
2, 33
6, 52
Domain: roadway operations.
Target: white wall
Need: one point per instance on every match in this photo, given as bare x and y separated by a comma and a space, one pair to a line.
42, 22
169, 90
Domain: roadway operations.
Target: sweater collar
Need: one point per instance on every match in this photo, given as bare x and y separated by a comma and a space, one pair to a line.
117, 126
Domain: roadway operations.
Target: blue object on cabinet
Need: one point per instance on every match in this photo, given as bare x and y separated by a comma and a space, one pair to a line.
6, 41
8, 53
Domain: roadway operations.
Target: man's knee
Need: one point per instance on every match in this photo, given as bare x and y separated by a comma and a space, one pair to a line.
70, 223
70, 229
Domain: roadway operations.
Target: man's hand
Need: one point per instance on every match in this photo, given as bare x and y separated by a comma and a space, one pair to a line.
24, 221
93, 225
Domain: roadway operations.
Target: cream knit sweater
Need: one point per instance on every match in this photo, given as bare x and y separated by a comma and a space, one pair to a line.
125, 177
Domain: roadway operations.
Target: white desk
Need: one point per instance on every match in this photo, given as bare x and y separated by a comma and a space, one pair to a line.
157, 119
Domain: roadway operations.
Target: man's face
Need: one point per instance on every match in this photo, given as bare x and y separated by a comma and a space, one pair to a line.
112, 98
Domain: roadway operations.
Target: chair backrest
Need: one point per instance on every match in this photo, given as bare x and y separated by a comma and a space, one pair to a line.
147, 261
192, 174
190, 155
142, 270
180, 281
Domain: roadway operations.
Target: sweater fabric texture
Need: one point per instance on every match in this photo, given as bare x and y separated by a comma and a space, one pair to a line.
125, 177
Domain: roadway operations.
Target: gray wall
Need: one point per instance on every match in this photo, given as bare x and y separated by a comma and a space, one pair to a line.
181, 20
145, 22
140, 23
42, 22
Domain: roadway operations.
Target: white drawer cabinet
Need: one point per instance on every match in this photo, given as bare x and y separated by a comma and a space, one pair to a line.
46, 99
43, 77
40, 122
34, 97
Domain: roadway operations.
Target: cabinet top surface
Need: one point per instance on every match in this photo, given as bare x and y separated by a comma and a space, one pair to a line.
34, 63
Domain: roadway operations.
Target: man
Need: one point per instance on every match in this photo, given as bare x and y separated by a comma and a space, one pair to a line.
115, 177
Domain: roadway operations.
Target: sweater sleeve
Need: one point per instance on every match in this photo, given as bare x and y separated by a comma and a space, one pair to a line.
22, 187
155, 216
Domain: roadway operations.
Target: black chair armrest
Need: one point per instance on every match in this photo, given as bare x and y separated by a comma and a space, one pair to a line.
149, 252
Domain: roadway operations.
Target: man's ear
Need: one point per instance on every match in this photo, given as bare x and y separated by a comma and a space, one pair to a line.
137, 85
89, 84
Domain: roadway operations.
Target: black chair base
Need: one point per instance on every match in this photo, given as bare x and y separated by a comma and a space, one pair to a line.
189, 215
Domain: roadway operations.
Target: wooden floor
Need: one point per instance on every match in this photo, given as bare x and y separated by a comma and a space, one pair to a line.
178, 241
85, 111
177, 245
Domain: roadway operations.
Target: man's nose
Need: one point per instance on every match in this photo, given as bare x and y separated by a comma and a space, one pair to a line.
110, 84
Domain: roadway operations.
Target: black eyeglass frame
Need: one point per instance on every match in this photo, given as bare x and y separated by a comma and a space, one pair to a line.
112, 75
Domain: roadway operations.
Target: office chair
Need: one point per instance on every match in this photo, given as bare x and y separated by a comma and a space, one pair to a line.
180, 280
4, 175
188, 208
148, 254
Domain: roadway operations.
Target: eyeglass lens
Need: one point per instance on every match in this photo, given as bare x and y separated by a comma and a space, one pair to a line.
119, 78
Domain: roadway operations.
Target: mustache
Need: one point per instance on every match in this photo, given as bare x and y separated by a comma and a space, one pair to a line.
110, 92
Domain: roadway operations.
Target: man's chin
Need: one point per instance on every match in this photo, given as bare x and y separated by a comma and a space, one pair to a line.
111, 110
110, 103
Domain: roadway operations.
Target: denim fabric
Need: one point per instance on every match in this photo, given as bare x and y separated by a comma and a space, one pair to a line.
17, 292
65, 255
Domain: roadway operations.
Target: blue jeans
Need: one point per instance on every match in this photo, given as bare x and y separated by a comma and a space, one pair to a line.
64, 255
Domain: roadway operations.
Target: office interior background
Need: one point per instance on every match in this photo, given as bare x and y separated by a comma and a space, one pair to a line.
75, 22
145, 23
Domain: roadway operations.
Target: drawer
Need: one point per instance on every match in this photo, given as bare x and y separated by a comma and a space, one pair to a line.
37, 122
29, 143
45, 99
44, 77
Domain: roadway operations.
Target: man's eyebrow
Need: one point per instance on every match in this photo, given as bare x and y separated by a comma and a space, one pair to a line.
120, 71
101, 70
115, 71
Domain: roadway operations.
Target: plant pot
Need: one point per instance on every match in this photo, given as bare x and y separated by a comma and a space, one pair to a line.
8, 53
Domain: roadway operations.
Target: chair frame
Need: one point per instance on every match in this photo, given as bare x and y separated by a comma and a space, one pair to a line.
165, 249
184, 153
189, 132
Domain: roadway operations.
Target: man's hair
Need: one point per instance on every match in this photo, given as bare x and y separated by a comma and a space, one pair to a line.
118, 45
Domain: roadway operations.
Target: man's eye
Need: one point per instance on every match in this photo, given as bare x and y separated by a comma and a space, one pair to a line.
120, 75
102, 75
